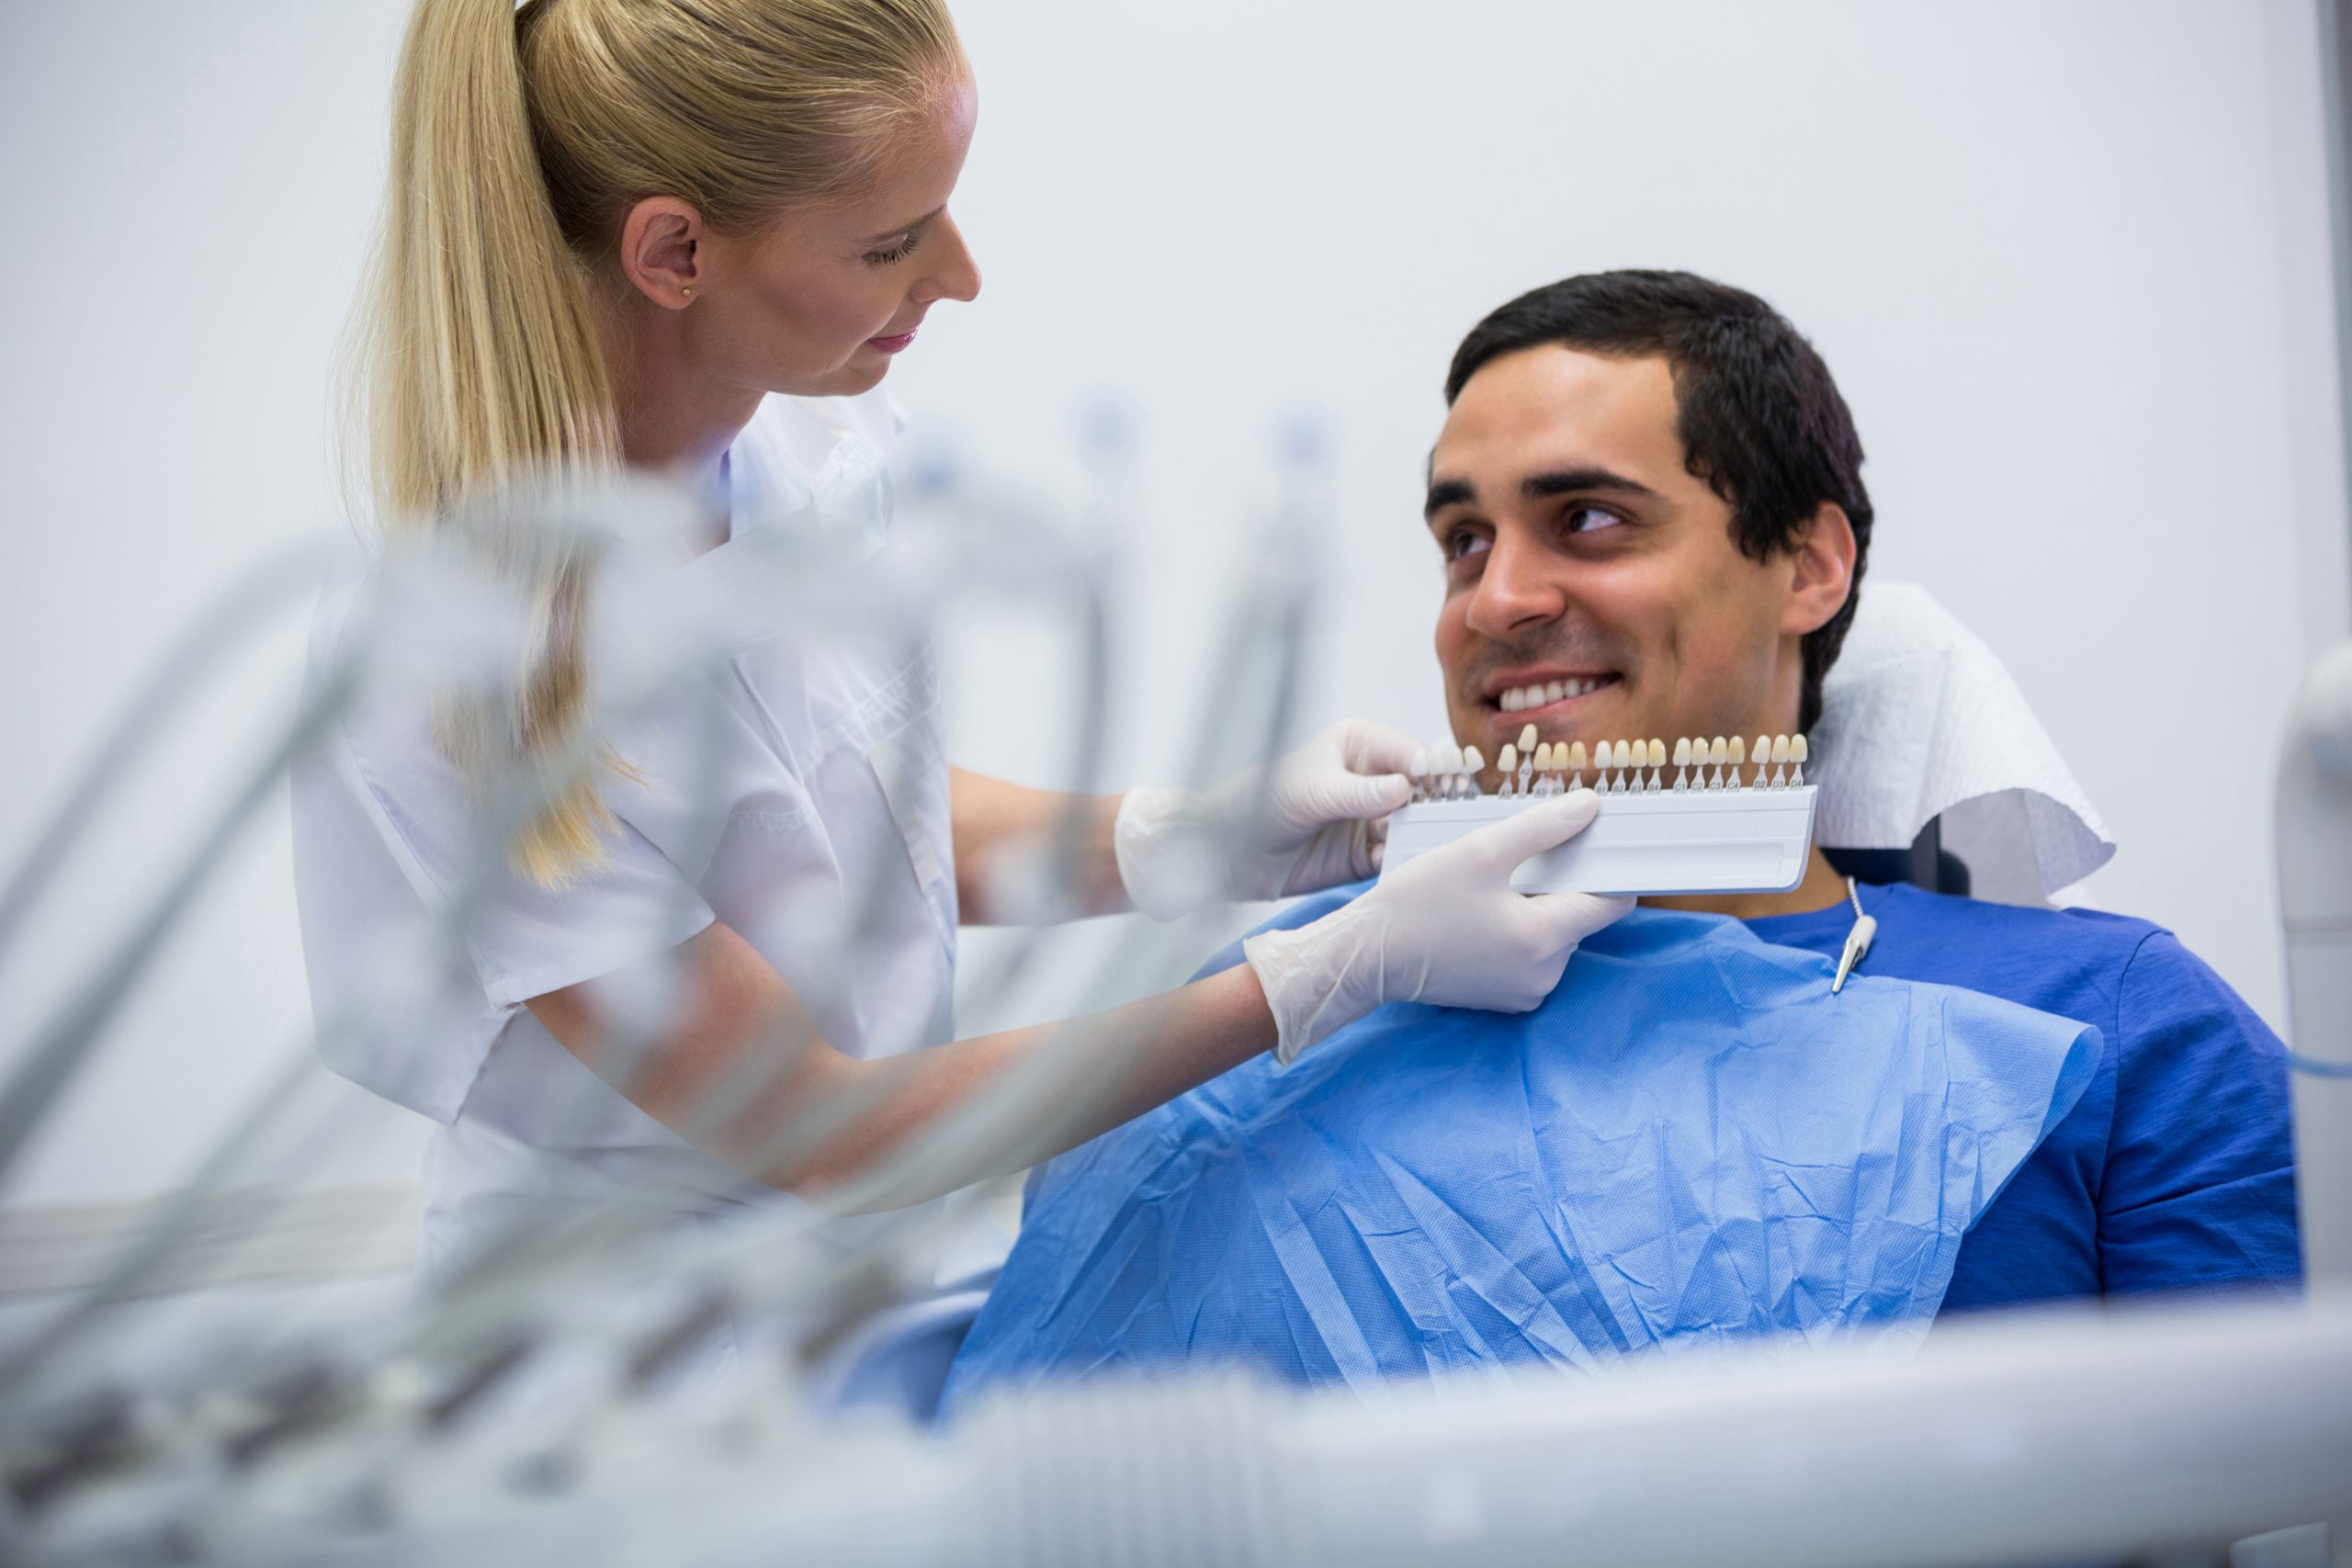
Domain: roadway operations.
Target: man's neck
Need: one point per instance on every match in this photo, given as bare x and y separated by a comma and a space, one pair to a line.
1821, 888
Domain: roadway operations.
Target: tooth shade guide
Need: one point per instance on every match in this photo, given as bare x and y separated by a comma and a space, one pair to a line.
1646, 841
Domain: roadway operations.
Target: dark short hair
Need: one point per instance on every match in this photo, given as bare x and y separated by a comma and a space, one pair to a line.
1760, 420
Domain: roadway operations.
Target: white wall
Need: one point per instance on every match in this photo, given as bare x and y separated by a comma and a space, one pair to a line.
2062, 255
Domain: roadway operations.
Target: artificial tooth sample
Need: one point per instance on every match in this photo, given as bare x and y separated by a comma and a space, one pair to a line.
1473, 763
1507, 763
1761, 755
1780, 761
1576, 764
1657, 763
1738, 756
1797, 756
1526, 739
1682, 762
1718, 753
1417, 770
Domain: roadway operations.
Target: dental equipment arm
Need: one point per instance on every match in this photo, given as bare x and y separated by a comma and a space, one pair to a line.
740, 1070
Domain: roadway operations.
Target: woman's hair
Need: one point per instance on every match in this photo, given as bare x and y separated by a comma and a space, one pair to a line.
521, 137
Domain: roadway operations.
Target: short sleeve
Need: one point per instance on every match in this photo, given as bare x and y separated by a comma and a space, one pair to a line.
2200, 1185
524, 940
381, 828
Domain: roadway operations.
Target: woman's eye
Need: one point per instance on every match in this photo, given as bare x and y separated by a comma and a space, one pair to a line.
1587, 519
894, 253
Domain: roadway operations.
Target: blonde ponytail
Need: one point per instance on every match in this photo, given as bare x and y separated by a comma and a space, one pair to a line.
520, 137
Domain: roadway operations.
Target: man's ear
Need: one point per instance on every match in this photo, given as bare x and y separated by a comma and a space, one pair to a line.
1822, 569
659, 250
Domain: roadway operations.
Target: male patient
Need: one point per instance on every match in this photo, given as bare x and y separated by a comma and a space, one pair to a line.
1648, 502
1648, 497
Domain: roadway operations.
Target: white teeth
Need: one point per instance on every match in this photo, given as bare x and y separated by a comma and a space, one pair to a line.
1526, 739
1521, 697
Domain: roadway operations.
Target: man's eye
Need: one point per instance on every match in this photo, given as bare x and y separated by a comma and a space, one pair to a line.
1588, 519
1461, 546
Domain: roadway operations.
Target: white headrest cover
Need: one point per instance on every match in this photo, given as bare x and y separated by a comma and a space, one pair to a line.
1920, 720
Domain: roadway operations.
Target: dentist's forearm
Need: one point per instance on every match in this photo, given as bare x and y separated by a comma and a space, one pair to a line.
801, 1115
992, 820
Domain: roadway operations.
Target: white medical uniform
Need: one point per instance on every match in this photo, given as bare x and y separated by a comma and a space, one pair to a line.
833, 788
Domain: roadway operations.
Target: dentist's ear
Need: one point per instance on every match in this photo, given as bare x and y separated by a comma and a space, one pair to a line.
1821, 570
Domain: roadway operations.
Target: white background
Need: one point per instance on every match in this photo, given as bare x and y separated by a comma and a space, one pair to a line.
2066, 259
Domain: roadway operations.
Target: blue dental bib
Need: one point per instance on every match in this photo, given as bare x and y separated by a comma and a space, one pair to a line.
1691, 1141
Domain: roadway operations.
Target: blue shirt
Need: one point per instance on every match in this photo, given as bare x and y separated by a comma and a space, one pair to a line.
2174, 1170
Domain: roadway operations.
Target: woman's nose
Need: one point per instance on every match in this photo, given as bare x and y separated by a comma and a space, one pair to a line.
955, 276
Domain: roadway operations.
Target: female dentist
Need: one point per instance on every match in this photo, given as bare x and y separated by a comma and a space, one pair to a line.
691, 235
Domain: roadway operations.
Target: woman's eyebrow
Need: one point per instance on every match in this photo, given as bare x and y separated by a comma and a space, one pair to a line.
893, 233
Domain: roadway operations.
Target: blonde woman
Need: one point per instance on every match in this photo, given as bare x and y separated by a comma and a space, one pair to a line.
690, 236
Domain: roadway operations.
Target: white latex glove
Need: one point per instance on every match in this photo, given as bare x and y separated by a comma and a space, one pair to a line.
1446, 930
1321, 818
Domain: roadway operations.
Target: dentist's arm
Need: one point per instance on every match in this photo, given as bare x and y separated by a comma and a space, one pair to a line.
1314, 820
1446, 929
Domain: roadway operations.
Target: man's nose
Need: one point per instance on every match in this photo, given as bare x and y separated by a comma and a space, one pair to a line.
1521, 587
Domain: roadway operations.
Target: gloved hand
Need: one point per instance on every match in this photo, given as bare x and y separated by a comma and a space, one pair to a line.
1446, 930
1320, 816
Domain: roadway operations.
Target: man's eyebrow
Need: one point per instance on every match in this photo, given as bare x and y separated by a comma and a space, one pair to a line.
1564, 482
1536, 487
1447, 492
904, 228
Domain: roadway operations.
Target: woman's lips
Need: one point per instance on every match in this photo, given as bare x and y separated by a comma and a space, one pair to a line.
891, 344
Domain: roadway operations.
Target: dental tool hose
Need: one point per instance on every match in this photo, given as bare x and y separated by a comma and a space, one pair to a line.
2315, 908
